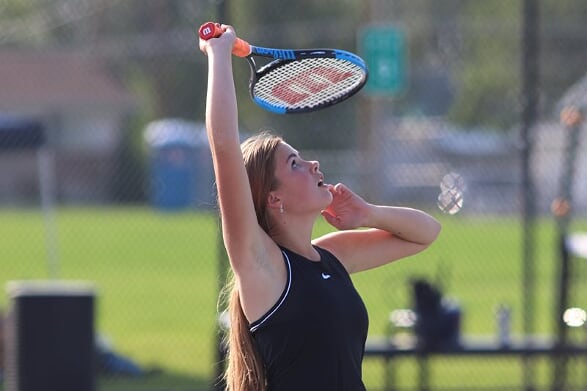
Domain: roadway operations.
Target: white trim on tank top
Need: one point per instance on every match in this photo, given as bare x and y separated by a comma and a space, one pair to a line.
259, 322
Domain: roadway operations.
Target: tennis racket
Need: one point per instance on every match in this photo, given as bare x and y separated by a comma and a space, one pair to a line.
297, 81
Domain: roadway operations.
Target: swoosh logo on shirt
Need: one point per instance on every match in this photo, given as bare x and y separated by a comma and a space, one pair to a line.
326, 276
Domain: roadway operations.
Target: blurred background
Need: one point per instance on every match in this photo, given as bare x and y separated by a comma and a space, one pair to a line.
474, 112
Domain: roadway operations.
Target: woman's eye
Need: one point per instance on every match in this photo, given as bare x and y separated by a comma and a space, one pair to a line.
294, 163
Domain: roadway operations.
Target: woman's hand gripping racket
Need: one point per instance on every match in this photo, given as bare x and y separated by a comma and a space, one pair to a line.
297, 81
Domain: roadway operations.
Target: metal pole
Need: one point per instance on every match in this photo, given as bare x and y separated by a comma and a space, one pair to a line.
46, 167
530, 103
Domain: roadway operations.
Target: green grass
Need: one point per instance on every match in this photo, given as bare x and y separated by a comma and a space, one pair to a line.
157, 280
155, 276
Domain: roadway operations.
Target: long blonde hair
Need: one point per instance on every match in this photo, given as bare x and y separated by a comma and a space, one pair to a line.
245, 370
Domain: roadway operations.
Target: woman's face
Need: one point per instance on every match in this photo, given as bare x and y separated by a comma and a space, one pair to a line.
300, 183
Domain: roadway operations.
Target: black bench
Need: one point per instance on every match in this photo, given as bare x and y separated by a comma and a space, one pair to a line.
390, 349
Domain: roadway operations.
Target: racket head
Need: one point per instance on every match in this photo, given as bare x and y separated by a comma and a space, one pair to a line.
314, 80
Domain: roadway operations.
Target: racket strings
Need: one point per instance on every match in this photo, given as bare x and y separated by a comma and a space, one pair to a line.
309, 83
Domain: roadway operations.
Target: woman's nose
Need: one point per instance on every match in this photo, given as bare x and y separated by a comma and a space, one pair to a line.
315, 165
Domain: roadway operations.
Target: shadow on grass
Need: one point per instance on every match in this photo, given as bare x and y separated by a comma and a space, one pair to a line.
163, 381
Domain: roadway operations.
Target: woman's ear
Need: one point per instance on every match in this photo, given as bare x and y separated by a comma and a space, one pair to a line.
273, 201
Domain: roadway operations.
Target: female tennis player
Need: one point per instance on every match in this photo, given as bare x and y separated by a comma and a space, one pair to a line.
296, 321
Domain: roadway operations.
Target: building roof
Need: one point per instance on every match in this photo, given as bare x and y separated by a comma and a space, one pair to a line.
55, 79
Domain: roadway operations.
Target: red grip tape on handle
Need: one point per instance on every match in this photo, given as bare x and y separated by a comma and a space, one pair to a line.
210, 30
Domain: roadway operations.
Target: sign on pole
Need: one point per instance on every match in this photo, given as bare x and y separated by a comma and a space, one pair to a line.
384, 50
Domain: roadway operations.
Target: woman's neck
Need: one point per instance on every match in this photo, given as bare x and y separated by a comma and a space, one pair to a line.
297, 238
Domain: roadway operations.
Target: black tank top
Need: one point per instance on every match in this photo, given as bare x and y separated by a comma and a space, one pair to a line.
313, 338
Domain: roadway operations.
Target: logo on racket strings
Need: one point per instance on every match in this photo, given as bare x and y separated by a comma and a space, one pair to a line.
303, 85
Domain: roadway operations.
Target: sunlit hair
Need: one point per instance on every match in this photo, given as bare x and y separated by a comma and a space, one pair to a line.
259, 155
245, 370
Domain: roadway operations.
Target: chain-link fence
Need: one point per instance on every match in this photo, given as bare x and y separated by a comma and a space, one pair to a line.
474, 112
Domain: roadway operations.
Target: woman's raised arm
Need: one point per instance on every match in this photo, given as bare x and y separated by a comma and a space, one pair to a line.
239, 222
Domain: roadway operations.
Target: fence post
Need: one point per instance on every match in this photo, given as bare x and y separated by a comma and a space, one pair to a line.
530, 80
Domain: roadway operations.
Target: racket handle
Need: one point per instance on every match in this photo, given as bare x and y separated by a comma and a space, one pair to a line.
209, 30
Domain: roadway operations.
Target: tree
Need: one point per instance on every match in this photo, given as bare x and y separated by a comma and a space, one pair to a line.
488, 79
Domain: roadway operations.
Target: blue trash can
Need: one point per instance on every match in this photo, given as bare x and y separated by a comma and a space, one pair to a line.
180, 164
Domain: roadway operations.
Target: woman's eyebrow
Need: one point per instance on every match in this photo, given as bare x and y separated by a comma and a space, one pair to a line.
291, 156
